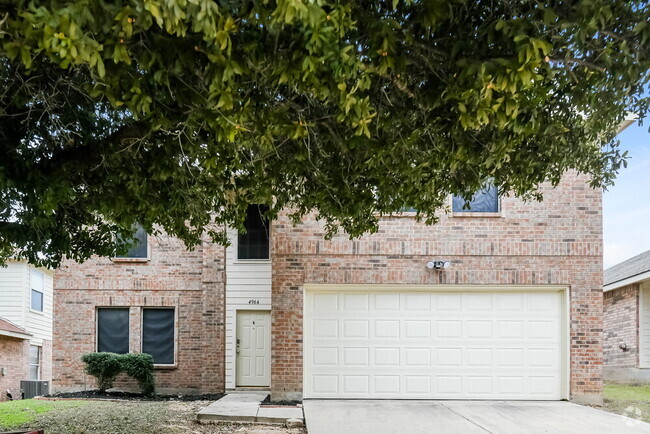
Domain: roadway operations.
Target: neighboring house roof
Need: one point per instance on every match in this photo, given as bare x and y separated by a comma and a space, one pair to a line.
627, 272
7, 328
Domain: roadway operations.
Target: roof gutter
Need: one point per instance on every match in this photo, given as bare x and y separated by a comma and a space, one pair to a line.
627, 281
15, 334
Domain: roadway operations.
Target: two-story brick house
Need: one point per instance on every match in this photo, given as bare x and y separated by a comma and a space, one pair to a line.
500, 302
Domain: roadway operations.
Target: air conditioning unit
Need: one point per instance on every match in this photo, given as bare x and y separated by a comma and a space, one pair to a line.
32, 388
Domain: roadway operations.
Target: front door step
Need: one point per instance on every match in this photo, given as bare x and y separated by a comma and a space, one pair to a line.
245, 407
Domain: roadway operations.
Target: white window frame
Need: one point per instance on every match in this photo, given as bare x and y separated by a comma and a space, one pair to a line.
235, 246
40, 290
175, 309
38, 365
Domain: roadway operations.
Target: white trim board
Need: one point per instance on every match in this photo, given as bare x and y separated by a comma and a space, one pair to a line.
628, 281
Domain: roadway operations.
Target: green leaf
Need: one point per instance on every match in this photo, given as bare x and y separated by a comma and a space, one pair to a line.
100, 66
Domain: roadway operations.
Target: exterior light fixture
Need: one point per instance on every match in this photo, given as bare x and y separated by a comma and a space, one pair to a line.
438, 265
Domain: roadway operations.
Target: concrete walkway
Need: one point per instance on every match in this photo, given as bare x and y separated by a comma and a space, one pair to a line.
245, 407
441, 417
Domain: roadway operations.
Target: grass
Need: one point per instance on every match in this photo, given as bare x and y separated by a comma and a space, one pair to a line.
14, 414
628, 400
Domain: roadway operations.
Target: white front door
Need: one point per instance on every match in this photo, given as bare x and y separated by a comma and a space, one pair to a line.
253, 348
415, 344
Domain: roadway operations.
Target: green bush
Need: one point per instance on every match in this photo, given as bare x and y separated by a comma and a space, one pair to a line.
106, 366
140, 367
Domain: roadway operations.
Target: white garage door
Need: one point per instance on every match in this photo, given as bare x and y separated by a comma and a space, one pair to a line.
415, 344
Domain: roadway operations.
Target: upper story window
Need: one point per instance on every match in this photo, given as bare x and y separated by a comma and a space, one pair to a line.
37, 283
158, 334
139, 250
113, 330
486, 200
254, 244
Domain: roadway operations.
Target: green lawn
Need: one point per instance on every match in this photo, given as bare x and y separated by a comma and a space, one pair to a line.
630, 401
14, 414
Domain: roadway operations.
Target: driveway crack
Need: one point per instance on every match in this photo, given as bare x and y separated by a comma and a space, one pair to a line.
466, 418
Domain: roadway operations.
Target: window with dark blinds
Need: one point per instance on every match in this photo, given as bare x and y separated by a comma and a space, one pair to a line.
158, 335
254, 244
113, 330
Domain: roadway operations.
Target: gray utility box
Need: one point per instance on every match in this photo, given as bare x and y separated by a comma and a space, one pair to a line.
32, 388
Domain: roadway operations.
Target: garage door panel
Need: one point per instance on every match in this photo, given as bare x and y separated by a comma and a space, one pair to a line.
431, 345
448, 329
355, 302
418, 301
389, 302
355, 329
448, 302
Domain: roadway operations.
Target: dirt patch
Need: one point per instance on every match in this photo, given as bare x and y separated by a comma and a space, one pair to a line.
143, 417
268, 403
628, 400
129, 396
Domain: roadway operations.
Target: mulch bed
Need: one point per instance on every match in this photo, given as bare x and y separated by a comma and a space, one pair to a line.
129, 396
268, 403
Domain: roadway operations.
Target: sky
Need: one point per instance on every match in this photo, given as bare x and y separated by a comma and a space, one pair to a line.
626, 205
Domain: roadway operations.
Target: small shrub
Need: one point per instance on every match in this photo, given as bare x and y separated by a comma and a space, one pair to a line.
106, 366
140, 367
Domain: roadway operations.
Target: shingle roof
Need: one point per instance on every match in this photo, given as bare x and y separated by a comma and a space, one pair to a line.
7, 326
632, 267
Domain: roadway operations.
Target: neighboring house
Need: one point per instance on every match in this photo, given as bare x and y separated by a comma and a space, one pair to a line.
516, 315
626, 317
25, 326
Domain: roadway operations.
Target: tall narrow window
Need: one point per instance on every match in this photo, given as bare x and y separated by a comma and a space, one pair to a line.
158, 334
37, 290
486, 200
34, 362
113, 330
138, 248
254, 244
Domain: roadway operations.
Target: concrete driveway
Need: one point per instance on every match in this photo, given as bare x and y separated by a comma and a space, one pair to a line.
441, 417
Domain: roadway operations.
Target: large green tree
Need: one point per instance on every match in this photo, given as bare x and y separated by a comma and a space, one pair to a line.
176, 114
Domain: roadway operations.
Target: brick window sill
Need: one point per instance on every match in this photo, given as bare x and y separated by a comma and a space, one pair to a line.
129, 260
164, 367
475, 214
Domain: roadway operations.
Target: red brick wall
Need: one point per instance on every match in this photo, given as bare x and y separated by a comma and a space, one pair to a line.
558, 241
620, 325
14, 357
190, 281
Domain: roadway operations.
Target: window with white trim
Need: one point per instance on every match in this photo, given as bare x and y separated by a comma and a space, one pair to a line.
158, 334
37, 284
34, 362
